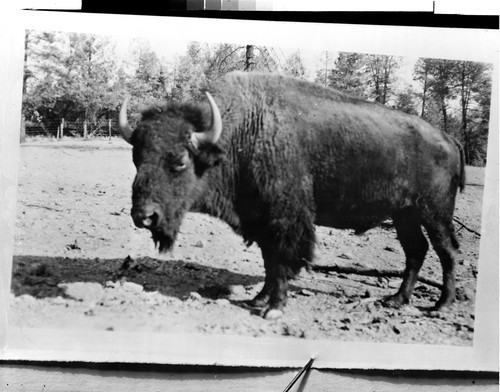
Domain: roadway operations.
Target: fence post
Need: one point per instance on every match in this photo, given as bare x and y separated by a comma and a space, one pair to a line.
58, 130
85, 129
109, 128
22, 136
62, 128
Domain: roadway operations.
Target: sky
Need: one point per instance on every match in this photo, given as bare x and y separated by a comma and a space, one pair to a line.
168, 49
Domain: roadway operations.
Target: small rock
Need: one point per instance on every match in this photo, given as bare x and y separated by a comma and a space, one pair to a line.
304, 273
394, 284
346, 256
111, 284
222, 302
132, 287
237, 290
200, 244
396, 330
27, 298
73, 246
194, 296
306, 293
83, 291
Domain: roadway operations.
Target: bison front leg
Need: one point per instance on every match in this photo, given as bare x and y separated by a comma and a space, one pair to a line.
273, 296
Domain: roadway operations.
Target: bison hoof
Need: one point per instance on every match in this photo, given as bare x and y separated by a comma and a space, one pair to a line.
258, 302
444, 308
394, 301
273, 314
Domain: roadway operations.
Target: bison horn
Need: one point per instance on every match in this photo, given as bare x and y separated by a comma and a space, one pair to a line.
125, 129
213, 134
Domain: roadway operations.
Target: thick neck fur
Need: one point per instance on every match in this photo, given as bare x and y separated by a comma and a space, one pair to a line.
217, 197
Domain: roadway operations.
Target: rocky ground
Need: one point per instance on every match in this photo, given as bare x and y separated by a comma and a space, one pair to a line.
81, 263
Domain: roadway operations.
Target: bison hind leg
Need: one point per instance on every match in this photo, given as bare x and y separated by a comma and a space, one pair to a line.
415, 246
442, 236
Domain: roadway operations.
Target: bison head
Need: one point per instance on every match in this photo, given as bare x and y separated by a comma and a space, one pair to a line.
172, 149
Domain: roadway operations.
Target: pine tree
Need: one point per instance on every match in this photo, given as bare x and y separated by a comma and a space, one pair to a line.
441, 84
295, 67
405, 101
347, 74
381, 75
421, 74
189, 78
473, 85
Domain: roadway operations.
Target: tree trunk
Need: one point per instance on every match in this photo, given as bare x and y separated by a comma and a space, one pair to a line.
384, 90
249, 63
85, 124
326, 69
27, 73
464, 100
26, 76
445, 115
387, 72
423, 73
378, 97
424, 96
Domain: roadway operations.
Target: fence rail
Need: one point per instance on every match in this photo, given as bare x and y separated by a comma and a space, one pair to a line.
71, 128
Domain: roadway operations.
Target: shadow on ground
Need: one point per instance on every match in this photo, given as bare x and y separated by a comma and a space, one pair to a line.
39, 276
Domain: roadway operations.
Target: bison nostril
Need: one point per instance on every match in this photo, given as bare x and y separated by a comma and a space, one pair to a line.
150, 221
147, 217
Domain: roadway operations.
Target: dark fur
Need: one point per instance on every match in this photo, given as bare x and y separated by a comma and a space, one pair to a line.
294, 154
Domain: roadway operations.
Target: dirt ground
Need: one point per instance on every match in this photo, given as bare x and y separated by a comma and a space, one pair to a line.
81, 263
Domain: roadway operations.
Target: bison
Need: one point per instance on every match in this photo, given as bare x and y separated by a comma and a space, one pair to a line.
273, 156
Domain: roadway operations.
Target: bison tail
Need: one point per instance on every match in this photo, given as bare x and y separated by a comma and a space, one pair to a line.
454, 241
461, 180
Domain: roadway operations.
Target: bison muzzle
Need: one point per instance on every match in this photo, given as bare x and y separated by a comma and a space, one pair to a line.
272, 156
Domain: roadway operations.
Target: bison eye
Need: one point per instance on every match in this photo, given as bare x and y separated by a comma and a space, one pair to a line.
181, 166
180, 163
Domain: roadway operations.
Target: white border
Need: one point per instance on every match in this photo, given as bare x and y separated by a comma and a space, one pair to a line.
227, 350
36, 344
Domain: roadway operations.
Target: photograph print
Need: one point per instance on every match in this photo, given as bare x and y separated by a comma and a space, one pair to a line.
242, 189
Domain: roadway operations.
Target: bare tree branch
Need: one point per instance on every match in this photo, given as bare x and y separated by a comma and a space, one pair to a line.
371, 272
466, 228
